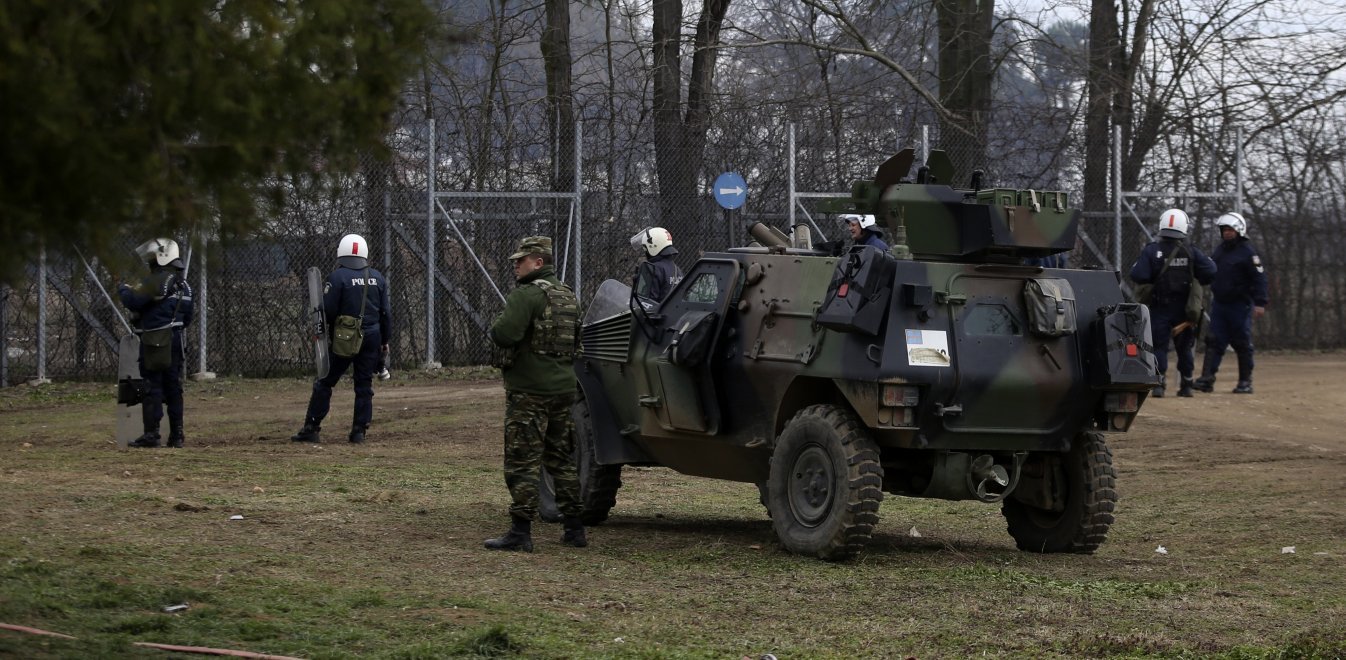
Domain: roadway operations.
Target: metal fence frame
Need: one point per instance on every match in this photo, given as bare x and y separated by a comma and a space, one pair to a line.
437, 208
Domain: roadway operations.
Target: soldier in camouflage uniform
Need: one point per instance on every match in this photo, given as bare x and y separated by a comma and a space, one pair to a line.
535, 336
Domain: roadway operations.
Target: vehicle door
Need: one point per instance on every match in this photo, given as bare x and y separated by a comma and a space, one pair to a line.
1009, 379
678, 365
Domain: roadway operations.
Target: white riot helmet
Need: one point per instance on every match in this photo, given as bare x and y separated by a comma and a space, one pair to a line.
1234, 220
160, 252
653, 239
353, 252
1173, 222
866, 221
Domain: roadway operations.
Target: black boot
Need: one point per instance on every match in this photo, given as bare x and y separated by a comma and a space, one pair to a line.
1186, 388
175, 438
149, 439
574, 533
519, 537
1209, 365
357, 435
1158, 392
1244, 387
307, 434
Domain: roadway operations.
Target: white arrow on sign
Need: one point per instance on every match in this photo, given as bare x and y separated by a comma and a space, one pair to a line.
731, 191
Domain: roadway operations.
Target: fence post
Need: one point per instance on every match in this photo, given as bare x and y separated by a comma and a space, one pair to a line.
4, 335
41, 317
388, 258
1117, 198
202, 309
579, 209
430, 256
1238, 169
790, 163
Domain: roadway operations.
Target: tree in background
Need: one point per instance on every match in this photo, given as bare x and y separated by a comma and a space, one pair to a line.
162, 114
681, 122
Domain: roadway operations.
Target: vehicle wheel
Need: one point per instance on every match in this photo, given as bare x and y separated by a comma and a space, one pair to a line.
1083, 482
598, 483
826, 484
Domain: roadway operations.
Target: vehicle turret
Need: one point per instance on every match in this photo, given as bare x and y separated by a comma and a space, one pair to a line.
936, 222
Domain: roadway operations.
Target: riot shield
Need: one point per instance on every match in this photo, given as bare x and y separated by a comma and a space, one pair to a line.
131, 390
317, 321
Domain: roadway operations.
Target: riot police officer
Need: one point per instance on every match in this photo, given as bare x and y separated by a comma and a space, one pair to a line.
1169, 264
161, 305
1240, 292
864, 230
354, 289
658, 274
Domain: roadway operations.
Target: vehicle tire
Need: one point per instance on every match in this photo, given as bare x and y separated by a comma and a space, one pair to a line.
1089, 482
826, 484
598, 483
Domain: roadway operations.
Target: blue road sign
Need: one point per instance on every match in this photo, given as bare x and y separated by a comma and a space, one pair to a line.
730, 190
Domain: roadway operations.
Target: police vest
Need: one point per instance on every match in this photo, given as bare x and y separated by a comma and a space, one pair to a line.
554, 331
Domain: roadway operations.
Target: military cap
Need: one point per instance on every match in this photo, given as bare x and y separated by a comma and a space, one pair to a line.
532, 245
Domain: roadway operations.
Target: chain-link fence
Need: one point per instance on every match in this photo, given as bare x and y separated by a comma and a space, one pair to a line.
444, 250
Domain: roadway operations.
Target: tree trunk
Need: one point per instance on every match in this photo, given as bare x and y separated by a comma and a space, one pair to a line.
680, 128
560, 104
965, 74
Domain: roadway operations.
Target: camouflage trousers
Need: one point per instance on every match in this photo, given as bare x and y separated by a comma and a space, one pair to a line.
538, 433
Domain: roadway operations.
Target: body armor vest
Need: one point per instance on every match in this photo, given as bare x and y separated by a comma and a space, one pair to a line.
554, 332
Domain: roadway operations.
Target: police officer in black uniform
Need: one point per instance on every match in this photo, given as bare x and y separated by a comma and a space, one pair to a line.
352, 281
658, 274
1240, 293
161, 301
1172, 284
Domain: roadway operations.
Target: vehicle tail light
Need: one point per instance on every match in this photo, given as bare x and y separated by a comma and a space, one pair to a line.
901, 396
1121, 402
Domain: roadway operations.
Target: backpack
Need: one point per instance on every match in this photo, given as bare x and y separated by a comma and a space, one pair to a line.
554, 332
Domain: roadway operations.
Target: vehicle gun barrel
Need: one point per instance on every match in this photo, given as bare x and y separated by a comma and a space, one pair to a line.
768, 236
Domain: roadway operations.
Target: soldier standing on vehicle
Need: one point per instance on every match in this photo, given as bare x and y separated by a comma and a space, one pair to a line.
864, 230
658, 274
536, 337
353, 290
1169, 264
161, 305
1240, 292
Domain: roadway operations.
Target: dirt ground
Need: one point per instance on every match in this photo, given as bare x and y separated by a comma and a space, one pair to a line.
1299, 404
1224, 483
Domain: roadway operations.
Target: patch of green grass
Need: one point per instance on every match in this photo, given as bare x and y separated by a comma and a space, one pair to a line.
490, 642
1019, 581
375, 552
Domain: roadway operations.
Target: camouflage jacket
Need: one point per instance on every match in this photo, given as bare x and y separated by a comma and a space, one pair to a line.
530, 372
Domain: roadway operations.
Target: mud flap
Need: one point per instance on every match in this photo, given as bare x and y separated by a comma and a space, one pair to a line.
130, 392
317, 322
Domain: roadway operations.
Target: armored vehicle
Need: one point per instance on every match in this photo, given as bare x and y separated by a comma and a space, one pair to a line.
945, 368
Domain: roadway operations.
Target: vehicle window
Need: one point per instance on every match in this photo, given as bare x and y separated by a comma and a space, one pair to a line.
704, 289
990, 320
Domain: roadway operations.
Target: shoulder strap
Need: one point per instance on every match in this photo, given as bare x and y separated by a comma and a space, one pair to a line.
1168, 259
364, 293
177, 286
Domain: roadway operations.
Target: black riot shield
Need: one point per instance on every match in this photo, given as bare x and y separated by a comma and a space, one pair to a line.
131, 389
317, 321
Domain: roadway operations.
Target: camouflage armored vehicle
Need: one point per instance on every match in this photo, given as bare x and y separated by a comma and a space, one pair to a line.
943, 368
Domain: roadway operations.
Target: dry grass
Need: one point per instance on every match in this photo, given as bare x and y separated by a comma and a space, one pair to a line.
375, 551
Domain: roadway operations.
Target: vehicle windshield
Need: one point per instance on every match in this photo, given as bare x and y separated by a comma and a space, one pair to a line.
611, 299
